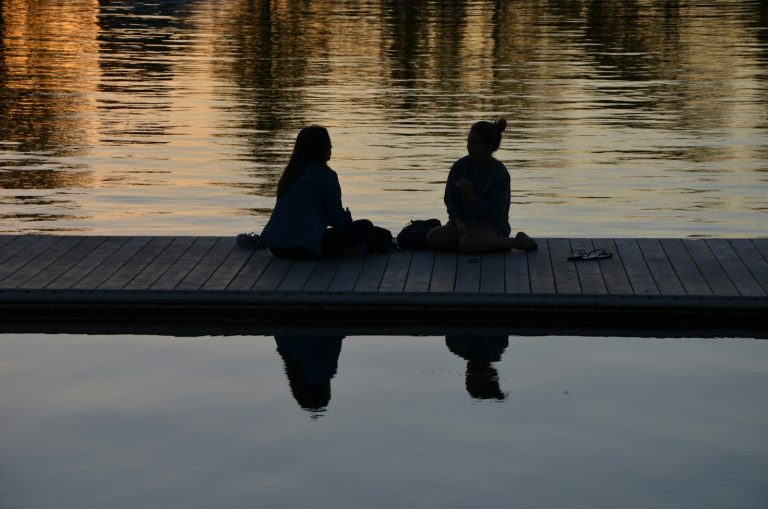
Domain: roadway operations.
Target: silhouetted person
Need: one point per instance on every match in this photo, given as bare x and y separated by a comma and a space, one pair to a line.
477, 196
482, 379
309, 202
310, 364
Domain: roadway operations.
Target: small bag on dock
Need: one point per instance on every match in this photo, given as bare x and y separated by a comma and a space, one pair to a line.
414, 235
380, 241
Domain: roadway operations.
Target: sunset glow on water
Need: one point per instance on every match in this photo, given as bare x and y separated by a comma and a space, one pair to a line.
626, 119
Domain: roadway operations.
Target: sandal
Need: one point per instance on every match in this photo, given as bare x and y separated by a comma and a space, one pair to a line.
250, 240
595, 254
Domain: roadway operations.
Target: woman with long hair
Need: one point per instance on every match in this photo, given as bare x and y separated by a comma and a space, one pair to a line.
308, 220
477, 197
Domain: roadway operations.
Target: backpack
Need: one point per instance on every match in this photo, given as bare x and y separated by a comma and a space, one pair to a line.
380, 241
414, 235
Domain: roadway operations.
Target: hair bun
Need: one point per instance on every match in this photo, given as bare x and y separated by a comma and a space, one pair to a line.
500, 124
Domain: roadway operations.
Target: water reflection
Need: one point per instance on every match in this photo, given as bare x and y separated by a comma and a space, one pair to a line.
201, 422
136, 45
310, 364
615, 106
47, 83
482, 379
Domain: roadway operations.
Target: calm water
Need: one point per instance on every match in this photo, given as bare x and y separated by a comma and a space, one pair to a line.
381, 422
628, 117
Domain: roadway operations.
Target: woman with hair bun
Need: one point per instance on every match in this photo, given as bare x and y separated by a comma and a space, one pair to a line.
477, 197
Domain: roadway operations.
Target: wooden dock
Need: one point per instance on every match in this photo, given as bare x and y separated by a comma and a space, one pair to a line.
48, 277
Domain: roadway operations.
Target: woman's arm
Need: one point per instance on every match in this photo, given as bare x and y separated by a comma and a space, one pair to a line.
452, 196
335, 213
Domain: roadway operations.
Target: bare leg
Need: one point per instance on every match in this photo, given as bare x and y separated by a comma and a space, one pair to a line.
443, 238
481, 238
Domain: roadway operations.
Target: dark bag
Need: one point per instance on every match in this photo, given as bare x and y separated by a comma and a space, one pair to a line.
414, 235
380, 241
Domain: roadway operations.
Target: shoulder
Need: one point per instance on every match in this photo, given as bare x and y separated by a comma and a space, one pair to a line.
460, 164
462, 161
322, 172
501, 170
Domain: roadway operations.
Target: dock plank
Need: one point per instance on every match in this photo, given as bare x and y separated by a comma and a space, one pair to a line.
443, 272
612, 269
714, 274
208, 264
65, 263
183, 265
685, 267
540, 269
322, 275
661, 268
5, 239
590, 273
396, 272
420, 272
762, 246
18, 244
373, 270
468, 269
28, 252
111, 264
229, 268
516, 279
273, 275
41, 261
566, 277
157, 267
492, 273
637, 270
753, 259
738, 272
251, 271
136, 264
297, 275
346, 276
85, 266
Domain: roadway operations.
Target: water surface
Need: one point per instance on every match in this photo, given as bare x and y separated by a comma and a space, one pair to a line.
148, 117
382, 421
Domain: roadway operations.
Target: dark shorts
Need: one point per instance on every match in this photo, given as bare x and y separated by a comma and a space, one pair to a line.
335, 241
501, 229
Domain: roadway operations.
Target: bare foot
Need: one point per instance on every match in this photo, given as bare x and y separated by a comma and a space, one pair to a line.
528, 243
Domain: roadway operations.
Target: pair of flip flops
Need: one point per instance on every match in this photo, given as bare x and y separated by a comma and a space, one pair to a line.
595, 254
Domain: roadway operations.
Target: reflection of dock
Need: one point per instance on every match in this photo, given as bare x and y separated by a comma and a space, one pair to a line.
187, 278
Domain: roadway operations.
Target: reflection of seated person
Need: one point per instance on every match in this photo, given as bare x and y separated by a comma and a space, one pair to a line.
482, 379
310, 363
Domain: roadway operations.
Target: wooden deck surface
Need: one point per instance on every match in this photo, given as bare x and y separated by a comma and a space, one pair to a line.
662, 274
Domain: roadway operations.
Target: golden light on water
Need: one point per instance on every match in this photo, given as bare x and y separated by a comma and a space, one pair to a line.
634, 119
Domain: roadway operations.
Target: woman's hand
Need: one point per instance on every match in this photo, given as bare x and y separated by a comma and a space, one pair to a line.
466, 189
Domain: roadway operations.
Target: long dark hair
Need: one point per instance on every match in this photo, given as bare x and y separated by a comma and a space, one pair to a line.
491, 132
311, 146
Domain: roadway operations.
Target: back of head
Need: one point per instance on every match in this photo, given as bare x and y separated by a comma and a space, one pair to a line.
491, 132
311, 146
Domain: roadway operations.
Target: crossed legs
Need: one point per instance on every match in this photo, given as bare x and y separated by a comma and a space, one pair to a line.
478, 239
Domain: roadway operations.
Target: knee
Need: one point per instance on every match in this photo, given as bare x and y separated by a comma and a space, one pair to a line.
433, 235
438, 238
